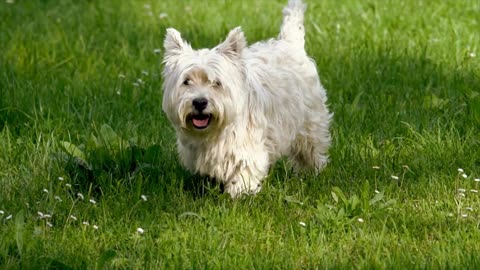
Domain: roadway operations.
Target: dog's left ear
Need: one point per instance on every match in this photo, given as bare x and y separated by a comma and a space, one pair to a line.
233, 44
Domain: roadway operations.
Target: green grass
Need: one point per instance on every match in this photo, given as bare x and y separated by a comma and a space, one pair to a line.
402, 81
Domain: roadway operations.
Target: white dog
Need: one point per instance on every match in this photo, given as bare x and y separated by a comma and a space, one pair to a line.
237, 109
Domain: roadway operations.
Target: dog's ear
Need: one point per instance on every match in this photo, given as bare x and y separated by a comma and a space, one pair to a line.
174, 44
233, 44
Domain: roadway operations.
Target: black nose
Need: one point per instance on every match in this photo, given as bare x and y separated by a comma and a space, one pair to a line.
200, 104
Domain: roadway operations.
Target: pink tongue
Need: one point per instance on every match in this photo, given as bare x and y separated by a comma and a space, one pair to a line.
200, 122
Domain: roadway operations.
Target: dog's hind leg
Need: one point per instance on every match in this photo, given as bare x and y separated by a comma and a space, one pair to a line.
309, 151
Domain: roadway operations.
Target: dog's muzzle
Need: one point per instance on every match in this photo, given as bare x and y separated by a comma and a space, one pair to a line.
200, 120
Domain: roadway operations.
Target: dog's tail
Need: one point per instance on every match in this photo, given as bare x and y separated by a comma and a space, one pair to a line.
292, 29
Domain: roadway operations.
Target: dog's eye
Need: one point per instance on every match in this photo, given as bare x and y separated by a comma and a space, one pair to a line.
187, 82
217, 83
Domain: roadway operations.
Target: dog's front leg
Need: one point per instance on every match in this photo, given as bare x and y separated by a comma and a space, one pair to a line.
242, 184
247, 178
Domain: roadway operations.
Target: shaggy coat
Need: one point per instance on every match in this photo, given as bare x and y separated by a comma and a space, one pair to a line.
237, 109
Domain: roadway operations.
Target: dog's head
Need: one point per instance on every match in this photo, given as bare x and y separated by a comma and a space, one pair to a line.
203, 90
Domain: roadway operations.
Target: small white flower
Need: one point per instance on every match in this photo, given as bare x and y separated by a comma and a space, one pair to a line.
377, 192
140, 81
472, 55
43, 216
136, 84
45, 190
68, 185
302, 224
473, 190
469, 208
162, 15
92, 201
450, 215
85, 223
80, 195
461, 194
2, 212
140, 230
121, 76
460, 170
118, 93
477, 180
144, 198
144, 73
464, 215
157, 51
73, 217
58, 198
9, 217
464, 175
9, 1
147, 6
394, 177
376, 167
461, 190
60, 178
95, 227
360, 220
49, 224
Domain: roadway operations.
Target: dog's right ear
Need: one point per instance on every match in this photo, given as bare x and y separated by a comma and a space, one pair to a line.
174, 44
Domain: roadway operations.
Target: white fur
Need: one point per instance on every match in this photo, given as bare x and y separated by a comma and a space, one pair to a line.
266, 101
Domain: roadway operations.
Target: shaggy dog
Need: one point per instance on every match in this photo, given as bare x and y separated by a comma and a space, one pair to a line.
237, 109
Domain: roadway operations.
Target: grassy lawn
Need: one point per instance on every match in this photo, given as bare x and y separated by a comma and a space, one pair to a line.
89, 176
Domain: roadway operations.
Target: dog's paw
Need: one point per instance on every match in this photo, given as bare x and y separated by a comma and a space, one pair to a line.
238, 188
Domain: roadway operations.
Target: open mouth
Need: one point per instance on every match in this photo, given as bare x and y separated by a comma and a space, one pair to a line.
201, 121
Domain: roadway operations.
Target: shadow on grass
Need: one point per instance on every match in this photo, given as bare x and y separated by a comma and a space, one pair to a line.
375, 93
107, 162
